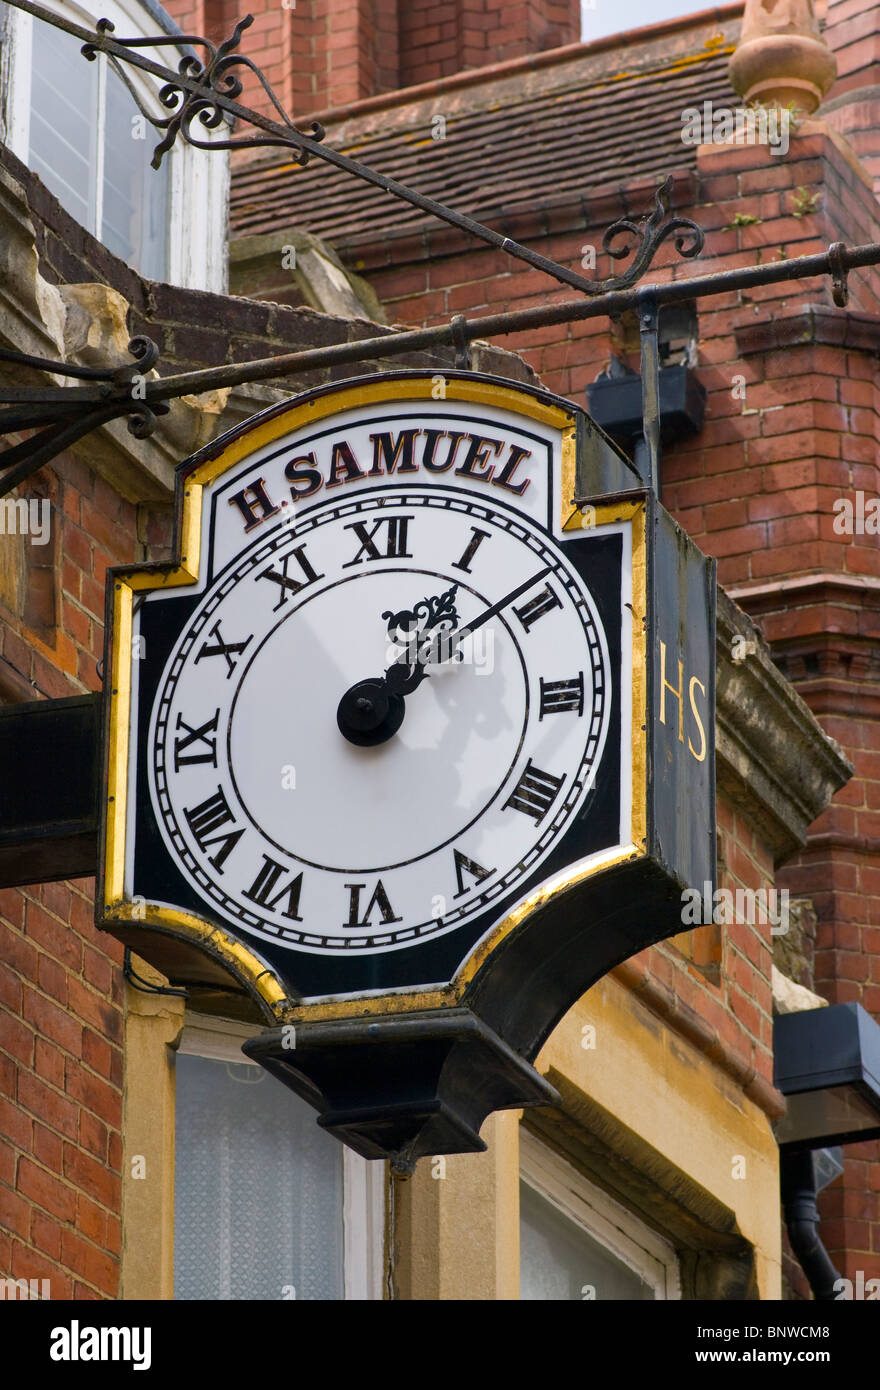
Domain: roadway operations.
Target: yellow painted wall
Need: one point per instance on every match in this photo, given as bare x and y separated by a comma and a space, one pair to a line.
455, 1223
687, 1108
152, 1025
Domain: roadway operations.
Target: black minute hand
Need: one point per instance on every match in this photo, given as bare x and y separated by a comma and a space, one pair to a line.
497, 607
405, 675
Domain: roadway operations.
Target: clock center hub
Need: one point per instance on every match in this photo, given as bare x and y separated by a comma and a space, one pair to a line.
369, 714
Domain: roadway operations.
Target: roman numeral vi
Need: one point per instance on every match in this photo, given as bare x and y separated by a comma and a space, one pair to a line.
379, 900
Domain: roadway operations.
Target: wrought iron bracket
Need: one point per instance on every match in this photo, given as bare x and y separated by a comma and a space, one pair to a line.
839, 285
649, 316
458, 324
63, 414
202, 93
93, 410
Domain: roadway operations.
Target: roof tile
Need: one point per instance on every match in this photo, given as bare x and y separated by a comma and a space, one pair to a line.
561, 132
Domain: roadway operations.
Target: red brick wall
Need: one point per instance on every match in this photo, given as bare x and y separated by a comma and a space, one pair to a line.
61, 1034
320, 53
61, 1093
442, 37
853, 33
720, 976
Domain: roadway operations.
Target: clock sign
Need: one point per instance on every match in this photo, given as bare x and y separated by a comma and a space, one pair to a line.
385, 747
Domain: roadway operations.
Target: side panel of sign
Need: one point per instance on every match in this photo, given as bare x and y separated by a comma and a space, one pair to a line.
681, 792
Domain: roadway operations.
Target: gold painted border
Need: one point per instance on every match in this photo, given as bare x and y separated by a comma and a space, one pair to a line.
243, 962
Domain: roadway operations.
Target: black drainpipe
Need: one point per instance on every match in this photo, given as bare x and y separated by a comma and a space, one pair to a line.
798, 1183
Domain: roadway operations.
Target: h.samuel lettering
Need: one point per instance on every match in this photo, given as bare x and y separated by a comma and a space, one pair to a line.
482, 458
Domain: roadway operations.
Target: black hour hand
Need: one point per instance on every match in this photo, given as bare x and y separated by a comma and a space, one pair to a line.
421, 631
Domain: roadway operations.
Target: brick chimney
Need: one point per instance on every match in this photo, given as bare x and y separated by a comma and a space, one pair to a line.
320, 53
441, 37
852, 32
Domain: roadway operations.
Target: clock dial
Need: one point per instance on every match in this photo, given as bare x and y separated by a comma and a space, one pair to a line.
379, 721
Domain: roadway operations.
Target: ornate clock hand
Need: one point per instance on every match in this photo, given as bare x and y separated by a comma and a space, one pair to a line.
497, 607
423, 625
438, 613
372, 711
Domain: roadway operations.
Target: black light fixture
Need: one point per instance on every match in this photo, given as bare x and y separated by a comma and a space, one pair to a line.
614, 399
827, 1065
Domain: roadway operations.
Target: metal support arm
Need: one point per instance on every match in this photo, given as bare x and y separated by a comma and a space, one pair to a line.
203, 93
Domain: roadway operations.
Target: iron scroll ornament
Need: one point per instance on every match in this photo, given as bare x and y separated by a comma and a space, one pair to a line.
208, 89
649, 232
64, 414
214, 79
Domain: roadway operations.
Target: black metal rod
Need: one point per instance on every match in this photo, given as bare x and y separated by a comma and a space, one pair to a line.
49, 443
496, 325
649, 313
463, 330
49, 397
46, 364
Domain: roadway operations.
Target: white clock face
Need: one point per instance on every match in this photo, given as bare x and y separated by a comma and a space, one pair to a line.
330, 815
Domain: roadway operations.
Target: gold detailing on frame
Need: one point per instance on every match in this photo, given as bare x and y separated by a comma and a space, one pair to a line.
242, 962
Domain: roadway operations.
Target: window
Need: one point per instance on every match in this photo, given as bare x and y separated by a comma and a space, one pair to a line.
576, 1242
74, 123
266, 1204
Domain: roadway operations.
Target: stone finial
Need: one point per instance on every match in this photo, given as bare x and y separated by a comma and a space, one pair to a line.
781, 59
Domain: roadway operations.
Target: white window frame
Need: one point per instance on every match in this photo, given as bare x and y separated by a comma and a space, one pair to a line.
198, 179
620, 1231
363, 1181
